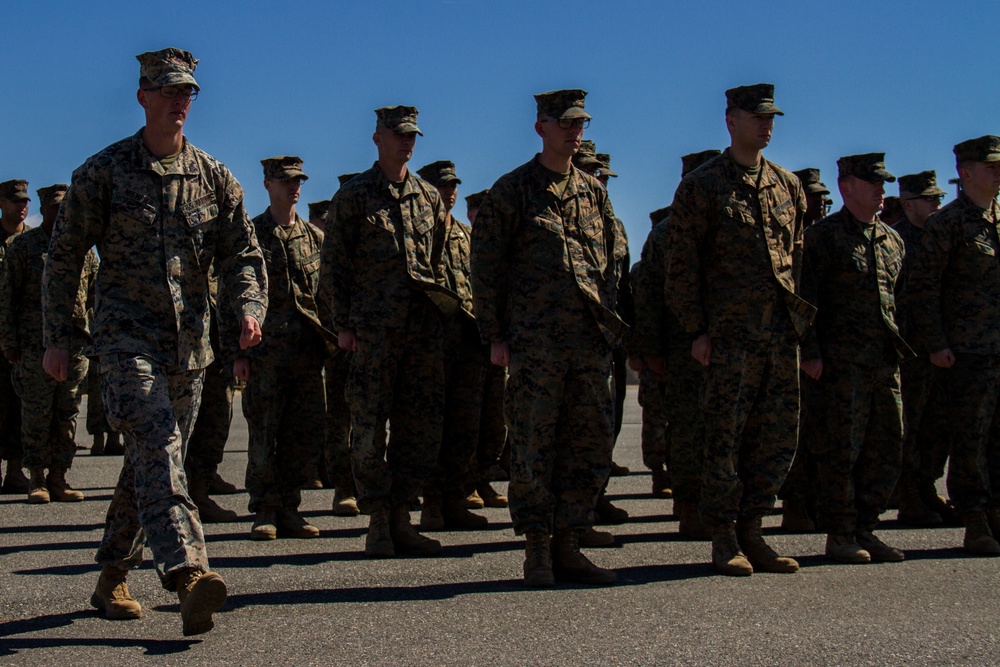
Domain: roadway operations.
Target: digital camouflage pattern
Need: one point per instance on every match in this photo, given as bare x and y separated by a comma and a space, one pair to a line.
923, 184
97, 419
562, 103
337, 441
492, 425
14, 189
810, 181
981, 149
438, 173
758, 98
866, 166
10, 404
283, 168
399, 119
168, 67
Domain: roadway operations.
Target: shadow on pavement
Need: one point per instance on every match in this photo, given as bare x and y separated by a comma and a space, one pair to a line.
55, 528
10, 646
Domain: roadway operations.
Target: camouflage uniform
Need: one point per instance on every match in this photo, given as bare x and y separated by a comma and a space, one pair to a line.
382, 258
337, 442
97, 418
10, 404
48, 408
157, 231
732, 258
545, 270
853, 273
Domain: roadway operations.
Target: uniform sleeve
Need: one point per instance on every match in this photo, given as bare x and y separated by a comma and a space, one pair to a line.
491, 240
11, 286
924, 299
814, 269
647, 289
683, 258
337, 264
239, 258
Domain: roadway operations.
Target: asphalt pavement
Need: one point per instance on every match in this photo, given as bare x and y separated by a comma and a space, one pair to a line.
320, 602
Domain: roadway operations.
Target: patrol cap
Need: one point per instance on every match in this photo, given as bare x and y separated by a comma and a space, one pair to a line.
14, 189
399, 119
343, 178
319, 209
810, 181
983, 149
438, 173
475, 200
659, 215
867, 166
604, 159
562, 103
692, 161
586, 155
283, 168
53, 194
924, 184
827, 202
168, 67
758, 98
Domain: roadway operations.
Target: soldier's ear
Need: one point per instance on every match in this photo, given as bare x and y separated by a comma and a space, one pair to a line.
140, 95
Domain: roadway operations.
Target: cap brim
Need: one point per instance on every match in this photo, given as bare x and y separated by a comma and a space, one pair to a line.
607, 172
767, 107
407, 128
574, 112
817, 189
992, 157
290, 175
176, 79
20, 196
451, 179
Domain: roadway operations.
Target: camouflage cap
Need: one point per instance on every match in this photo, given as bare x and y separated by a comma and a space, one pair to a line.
692, 161
283, 168
827, 202
983, 149
810, 181
924, 184
659, 215
562, 103
343, 178
604, 159
586, 156
475, 200
15, 189
867, 166
438, 173
53, 194
758, 98
319, 209
169, 67
399, 119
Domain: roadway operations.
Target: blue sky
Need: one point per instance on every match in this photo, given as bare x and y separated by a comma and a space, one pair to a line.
907, 78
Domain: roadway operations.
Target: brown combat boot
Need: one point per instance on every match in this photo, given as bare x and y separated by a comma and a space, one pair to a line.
345, 502
201, 594
879, 551
97, 449
378, 541
929, 495
291, 524
596, 538
978, 538
845, 549
762, 557
112, 597
432, 513
569, 564
608, 514
209, 510
220, 487
726, 555
689, 523
661, 484
538, 560
458, 517
38, 492
490, 496
912, 510
15, 483
405, 537
795, 517
59, 488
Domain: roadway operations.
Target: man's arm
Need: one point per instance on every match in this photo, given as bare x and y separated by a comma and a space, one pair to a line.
337, 266
924, 285
491, 240
11, 288
683, 266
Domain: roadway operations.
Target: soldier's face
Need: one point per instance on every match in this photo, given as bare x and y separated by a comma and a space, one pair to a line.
163, 112
861, 195
814, 210
750, 129
395, 147
284, 192
919, 209
14, 210
557, 140
982, 177
449, 194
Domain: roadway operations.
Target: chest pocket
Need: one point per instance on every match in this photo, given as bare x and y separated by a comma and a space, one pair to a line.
739, 213
859, 259
200, 212
136, 207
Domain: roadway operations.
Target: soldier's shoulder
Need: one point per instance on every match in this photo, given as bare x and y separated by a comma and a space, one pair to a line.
825, 227
358, 186
106, 158
894, 236
209, 164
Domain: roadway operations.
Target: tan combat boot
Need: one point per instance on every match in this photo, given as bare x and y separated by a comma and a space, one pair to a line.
345, 502
59, 488
795, 517
209, 510
265, 524
538, 560
201, 594
38, 492
474, 502
490, 496
879, 551
726, 555
378, 541
661, 484
458, 517
845, 549
978, 538
569, 564
432, 512
762, 557
689, 523
291, 524
112, 597
405, 537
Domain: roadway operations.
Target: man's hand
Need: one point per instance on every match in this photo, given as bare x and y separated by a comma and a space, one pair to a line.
943, 358
636, 364
13, 355
250, 334
500, 353
241, 368
657, 364
812, 367
56, 363
348, 340
701, 349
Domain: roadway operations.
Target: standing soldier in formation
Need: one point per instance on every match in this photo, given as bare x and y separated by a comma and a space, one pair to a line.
284, 396
955, 304
317, 213
546, 255
13, 212
732, 263
159, 211
853, 272
382, 264
48, 408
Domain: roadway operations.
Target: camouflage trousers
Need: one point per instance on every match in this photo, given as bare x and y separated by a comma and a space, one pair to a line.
800, 484
396, 376
48, 409
561, 426
464, 367
10, 415
619, 360
211, 431
970, 398
685, 430
858, 454
925, 440
285, 406
492, 427
97, 419
154, 407
337, 443
653, 400
750, 403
